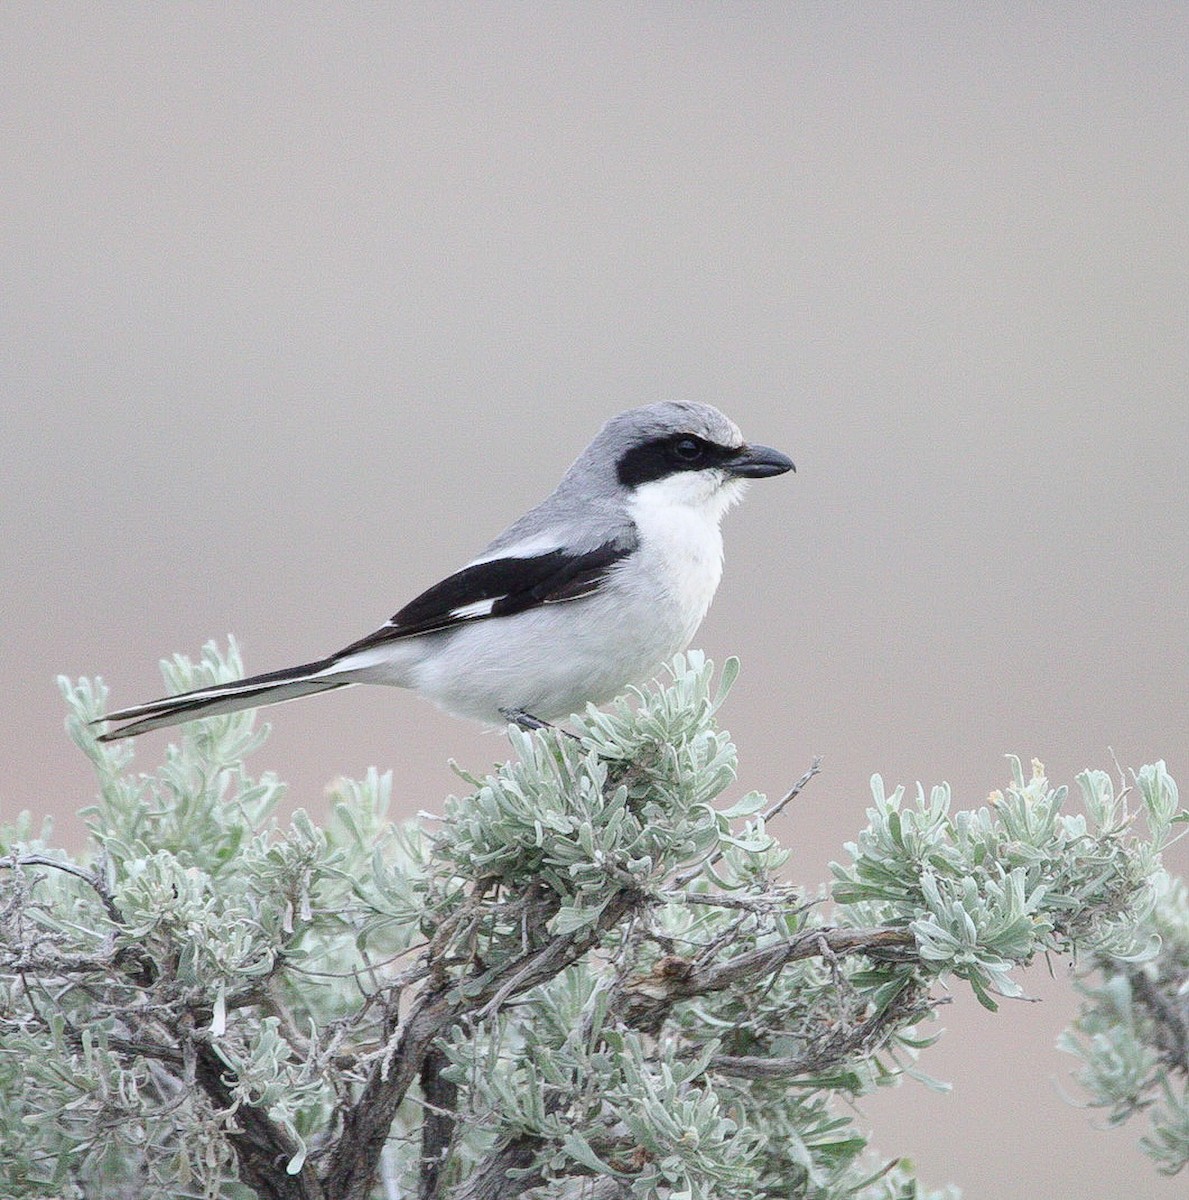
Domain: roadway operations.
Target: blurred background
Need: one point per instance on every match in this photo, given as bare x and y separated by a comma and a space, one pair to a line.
303, 303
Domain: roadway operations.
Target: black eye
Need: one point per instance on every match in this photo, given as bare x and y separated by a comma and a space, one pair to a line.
688, 449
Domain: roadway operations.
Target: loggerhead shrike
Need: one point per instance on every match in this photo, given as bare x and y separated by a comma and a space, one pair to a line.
587, 593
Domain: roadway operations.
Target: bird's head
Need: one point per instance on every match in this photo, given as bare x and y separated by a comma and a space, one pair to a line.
684, 454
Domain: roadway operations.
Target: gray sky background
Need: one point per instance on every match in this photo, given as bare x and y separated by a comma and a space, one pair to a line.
301, 304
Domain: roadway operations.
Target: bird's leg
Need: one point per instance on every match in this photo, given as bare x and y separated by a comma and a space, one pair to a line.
526, 720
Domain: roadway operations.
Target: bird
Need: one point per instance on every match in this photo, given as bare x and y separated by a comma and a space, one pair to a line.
586, 594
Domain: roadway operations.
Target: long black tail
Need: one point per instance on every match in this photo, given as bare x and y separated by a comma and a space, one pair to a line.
214, 701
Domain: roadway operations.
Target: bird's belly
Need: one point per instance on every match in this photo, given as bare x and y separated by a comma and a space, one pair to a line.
554, 660
551, 661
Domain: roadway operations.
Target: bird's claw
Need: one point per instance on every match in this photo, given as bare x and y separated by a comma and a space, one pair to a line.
526, 720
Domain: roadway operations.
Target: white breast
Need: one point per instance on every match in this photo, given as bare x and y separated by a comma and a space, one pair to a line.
677, 519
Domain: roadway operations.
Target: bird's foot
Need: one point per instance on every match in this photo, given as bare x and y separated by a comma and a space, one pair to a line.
526, 720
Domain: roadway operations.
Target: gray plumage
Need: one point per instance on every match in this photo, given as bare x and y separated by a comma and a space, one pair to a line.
588, 592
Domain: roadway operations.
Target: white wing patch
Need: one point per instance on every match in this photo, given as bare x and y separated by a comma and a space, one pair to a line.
529, 548
477, 608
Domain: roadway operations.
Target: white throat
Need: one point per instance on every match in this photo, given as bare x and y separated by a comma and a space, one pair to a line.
688, 495
677, 519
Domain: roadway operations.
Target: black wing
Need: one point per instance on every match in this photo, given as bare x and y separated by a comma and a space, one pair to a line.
500, 587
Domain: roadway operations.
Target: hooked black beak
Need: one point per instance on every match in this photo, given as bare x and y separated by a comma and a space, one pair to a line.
758, 462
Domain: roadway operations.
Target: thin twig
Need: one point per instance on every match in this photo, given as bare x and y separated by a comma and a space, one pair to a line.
793, 792
828, 1054
649, 999
91, 879
762, 903
773, 811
